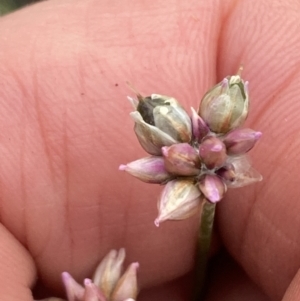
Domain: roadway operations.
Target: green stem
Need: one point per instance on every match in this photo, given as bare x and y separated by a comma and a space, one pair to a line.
203, 247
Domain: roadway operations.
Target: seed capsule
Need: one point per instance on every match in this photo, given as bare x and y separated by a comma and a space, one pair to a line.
225, 106
160, 121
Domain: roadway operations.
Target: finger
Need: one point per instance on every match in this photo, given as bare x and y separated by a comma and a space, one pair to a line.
260, 224
63, 92
17, 269
176, 290
293, 291
229, 282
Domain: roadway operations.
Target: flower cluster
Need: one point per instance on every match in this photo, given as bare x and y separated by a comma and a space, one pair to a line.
197, 157
107, 285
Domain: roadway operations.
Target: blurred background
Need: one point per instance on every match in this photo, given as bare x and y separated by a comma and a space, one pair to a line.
7, 6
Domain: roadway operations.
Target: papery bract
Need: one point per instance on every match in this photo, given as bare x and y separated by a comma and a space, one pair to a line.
245, 174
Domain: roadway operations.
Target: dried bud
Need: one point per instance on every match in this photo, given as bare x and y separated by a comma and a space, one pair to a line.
150, 169
200, 129
180, 199
212, 152
127, 287
181, 159
240, 141
225, 106
109, 271
212, 187
160, 121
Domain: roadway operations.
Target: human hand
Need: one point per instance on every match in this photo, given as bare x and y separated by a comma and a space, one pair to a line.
66, 129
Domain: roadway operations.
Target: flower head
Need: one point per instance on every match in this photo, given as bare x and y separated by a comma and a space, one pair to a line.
197, 158
108, 283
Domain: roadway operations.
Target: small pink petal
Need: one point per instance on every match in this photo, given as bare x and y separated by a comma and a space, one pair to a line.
74, 290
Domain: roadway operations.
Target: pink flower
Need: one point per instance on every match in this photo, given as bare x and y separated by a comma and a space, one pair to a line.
108, 283
198, 157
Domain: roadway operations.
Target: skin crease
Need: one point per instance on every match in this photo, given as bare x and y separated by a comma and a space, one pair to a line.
65, 130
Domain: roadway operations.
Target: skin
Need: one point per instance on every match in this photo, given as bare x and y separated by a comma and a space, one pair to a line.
65, 130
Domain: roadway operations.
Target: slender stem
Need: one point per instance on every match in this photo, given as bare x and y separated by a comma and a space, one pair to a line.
203, 247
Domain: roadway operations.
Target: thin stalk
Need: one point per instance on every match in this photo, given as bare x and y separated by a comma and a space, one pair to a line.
203, 247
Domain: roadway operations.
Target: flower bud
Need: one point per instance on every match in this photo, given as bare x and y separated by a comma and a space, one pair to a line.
212, 152
109, 271
240, 141
212, 187
160, 121
200, 129
225, 106
180, 199
74, 290
126, 287
181, 159
92, 292
150, 170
